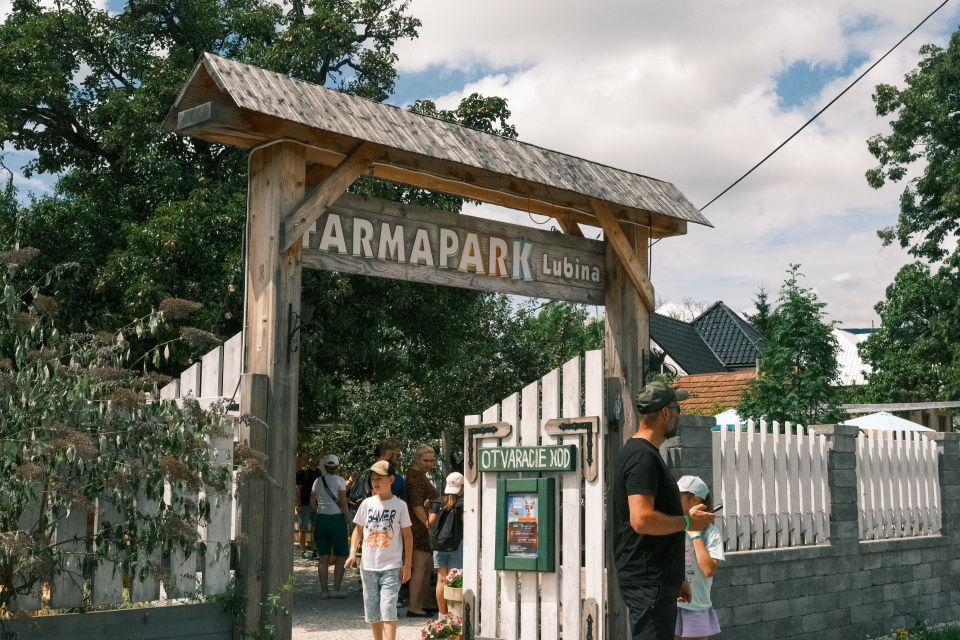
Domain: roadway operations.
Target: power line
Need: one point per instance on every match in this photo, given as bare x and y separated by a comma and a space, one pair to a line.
850, 86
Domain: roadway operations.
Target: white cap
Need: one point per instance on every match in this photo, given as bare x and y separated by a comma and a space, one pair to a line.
454, 483
331, 461
693, 484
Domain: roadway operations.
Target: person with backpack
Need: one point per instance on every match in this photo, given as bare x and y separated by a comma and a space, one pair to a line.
360, 488
329, 500
446, 533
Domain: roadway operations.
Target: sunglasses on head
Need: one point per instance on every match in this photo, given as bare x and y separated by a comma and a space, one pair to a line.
677, 407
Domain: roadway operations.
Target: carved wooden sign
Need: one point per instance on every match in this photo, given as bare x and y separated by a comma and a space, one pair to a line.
390, 240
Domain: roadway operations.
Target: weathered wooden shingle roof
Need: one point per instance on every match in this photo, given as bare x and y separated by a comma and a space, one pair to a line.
412, 136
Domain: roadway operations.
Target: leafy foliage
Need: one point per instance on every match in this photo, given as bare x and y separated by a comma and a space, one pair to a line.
76, 427
915, 356
498, 350
799, 362
925, 128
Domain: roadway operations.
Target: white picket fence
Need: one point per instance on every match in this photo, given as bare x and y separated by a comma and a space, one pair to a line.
512, 605
71, 534
773, 486
214, 377
897, 476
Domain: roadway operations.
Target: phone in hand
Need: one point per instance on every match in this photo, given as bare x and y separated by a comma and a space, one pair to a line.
716, 508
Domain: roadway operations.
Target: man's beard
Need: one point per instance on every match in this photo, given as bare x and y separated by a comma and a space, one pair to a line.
673, 429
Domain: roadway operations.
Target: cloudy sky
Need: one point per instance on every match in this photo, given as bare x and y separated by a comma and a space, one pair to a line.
696, 93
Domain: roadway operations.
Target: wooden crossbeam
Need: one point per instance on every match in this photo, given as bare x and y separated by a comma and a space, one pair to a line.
615, 236
295, 224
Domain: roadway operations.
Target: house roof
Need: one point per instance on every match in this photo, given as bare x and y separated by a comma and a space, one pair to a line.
736, 343
242, 105
708, 389
849, 364
681, 342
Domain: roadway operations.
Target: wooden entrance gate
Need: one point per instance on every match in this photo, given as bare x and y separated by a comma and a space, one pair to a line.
567, 603
308, 144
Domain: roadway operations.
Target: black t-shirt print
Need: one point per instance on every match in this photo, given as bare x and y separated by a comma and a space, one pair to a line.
645, 559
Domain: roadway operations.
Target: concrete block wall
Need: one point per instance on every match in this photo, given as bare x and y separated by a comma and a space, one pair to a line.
846, 589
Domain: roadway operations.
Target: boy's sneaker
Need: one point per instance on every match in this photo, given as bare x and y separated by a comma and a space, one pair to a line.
306, 555
315, 555
338, 595
324, 595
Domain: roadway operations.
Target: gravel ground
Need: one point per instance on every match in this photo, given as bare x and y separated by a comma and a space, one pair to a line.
316, 619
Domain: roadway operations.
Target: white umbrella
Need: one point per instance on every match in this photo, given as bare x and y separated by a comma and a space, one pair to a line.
884, 421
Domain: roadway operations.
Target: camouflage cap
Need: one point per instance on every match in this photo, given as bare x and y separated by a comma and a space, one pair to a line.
657, 395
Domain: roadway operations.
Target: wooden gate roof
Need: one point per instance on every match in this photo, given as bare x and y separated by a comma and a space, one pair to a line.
242, 105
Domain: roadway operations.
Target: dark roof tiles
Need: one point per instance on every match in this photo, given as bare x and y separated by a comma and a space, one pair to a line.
733, 339
682, 343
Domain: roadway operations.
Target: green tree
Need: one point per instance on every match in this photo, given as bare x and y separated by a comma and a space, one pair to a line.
761, 319
925, 131
915, 356
799, 362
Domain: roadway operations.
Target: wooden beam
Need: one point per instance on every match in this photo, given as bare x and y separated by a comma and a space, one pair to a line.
295, 223
228, 124
276, 185
626, 338
254, 398
615, 236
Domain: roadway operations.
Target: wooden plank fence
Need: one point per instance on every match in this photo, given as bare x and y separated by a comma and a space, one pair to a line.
772, 482
520, 605
214, 377
897, 475
106, 582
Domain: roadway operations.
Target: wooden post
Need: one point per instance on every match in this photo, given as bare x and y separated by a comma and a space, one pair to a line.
627, 337
254, 395
277, 175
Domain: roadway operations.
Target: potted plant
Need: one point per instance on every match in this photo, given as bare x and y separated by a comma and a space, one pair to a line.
453, 591
449, 625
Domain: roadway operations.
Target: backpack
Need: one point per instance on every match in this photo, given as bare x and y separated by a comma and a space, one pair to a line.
446, 534
360, 490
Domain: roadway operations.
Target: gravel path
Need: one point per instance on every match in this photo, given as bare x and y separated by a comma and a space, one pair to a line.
316, 619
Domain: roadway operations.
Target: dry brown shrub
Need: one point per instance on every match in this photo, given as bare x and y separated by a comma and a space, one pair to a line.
19, 257
198, 338
28, 471
45, 305
23, 320
63, 437
178, 308
175, 470
124, 398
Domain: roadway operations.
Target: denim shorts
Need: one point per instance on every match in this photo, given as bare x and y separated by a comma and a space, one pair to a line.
449, 559
305, 518
380, 590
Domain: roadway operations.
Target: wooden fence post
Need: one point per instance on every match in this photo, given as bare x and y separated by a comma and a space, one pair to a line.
627, 338
254, 396
276, 186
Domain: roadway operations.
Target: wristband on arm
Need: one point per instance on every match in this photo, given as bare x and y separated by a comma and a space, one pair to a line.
687, 518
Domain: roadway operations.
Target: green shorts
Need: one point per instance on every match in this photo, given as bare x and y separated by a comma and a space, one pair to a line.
330, 532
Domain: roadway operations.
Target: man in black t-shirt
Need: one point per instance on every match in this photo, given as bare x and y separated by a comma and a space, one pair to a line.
649, 520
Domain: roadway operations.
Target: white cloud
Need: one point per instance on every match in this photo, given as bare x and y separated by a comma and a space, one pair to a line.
686, 92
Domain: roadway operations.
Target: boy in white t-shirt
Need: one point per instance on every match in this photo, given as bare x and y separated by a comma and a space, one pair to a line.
384, 522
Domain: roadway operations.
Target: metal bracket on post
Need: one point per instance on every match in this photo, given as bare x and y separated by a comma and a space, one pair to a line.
295, 326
